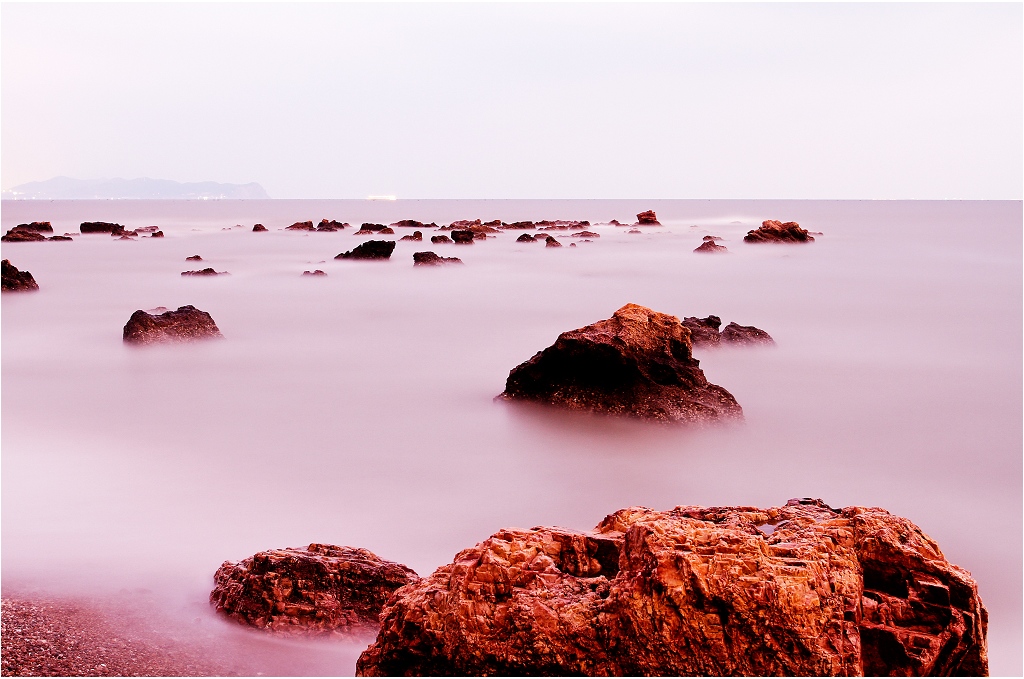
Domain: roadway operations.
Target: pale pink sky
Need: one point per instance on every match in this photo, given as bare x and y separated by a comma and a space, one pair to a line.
521, 100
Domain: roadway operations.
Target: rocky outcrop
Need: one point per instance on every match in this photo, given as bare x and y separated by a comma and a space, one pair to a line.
331, 225
146, 229
634, 231
38, 227
258, 228
703, 331
368, 229
412, 223
59, 238
186, 324
371, 249
745, 334
518, 225
101, 227
416, 236
586, 234
432, 259
639, 363
14, 280
208, 271
194, 258
648, 218
772, 231
799, 590
710, 246
526, 238
322, 589
301, 226
551, 242
463, 236
440, 239
157, 234
17, 235
317, 272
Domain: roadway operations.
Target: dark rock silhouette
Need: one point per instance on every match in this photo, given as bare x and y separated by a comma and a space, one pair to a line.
703, 331
38, 227
157, 234
18, 235
194, 258
745, 334
526, 238
462, 236
586, 234
322, 589
710, 246
648, 218
331, 225
416, 236
186, 324
440, 239
301, 226
368, 229
552, 242
371, 249
519, 225
258, 228
101, 227
432, 259
147, 229
639, 363
772, 231
317, 272
409, 223
204, 272
64, 238
13, 280
798, 590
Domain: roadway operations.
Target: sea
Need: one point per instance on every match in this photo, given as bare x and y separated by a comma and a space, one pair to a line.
358, 408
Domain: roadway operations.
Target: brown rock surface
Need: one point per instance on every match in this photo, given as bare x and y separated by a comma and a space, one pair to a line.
208, 271
40, 227
462, 236
710, 246
526, 238
157, 234
551, 242
194, 258
301, 226
19, 235
586, 234
59, 238
321, 589
412, 223
371, 249
331, 225
317, 272
186, 324
703, 331
745, 334
772, 231
416, 236
432, 259
638, 362
797, 590
258, 228
368, 229
648, 217
13, 280
440, 239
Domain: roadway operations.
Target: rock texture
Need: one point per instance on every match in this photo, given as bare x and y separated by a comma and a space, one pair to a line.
440, 239
194, 258
208, 271
186, 324
703, 331
13, 280
301, 226
368, 229
371, 249
331, 225
772, 231
463, 236
40, 227
432, 259
797, 590
551, 242
157, 234
526, 238
258, 228
321, 589
416, 236
745, 334
638, 362
710, 246
19, 235
101, 227
648, 217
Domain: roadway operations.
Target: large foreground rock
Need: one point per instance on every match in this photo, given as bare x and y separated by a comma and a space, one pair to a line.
320, 589
186, 324
772, 231
14, 280
638, 362
797, 590
371, 249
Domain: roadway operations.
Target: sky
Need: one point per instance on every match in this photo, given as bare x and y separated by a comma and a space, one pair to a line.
530, 100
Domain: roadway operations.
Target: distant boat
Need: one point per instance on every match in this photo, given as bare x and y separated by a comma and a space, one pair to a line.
382, 198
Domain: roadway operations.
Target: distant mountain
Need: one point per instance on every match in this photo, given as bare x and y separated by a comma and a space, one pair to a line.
66, 188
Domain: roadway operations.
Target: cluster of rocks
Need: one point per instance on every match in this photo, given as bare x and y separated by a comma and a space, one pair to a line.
415, 236
432, 259
638, 362
368, 229
185, 324
33, 231
371, 249
208, 271
14, 280
317, 272
772, 231
802, 589
709, 245
705, 331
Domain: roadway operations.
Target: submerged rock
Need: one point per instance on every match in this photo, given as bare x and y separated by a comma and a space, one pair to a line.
19, 235
745, 334
526, 238
368, 229
639, 363
409, 223
710, 246
208, 271
586, 234
772, 231
703, 330
648, 217
258, 228
59, 238
317, 272
301, 226
799, 590
416, 236
331, 225
194, 258
432, 259
440, 239
14, 280
186, 324
147, 229
157, 234
462, 236
101, 227
371, 249
38, 227
551, 242
634, 231
321, 589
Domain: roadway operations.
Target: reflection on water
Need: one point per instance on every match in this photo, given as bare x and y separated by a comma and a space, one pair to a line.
357, 408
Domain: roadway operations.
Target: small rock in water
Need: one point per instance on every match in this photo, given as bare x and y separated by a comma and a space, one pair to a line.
194, 258
157, 234
186, 324
526, 238
301, 226
100, 227
39, 227
368, 229
14, 280
322, 589
745, 334
638, 362
710, 246
371, 249
463, 236
331, 225
409, 223
258, 227
208, 271
147, 229
440, 239
19, 235
432, 259
649, 218
586, 234
318, 272
772, 231
552, 242
634, 231
416, 235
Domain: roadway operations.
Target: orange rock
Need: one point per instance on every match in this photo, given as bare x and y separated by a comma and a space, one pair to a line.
797, 590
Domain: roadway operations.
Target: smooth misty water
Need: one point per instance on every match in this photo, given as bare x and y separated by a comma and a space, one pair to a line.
357, 409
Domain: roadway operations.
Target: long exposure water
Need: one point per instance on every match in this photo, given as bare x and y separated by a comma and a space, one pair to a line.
356, 409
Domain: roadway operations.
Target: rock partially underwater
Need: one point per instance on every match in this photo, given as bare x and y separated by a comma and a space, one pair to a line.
185, 324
